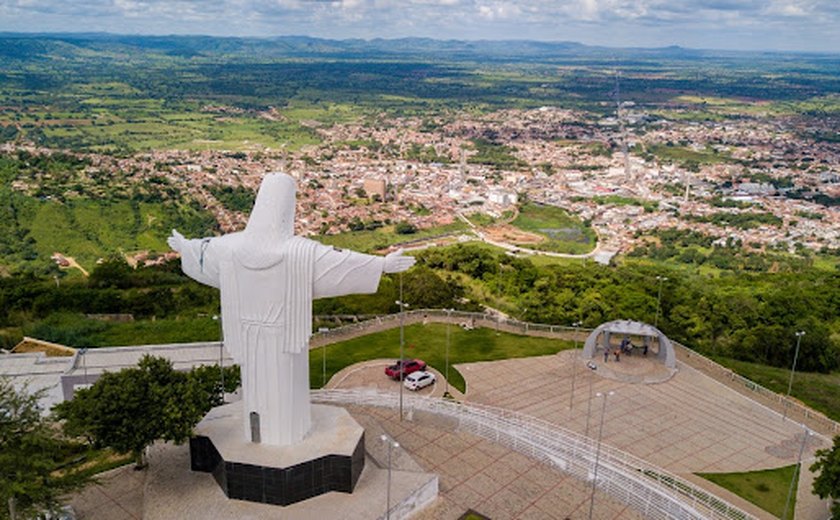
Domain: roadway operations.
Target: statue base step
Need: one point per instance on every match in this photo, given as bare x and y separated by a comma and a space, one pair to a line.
330, 458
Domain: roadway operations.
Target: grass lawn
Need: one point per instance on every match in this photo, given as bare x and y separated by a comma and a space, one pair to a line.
683, 155
428, 342
819, 391
369, 241
768, 489
564, 233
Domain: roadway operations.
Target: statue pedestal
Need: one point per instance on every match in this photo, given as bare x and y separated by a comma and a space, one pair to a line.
330, 458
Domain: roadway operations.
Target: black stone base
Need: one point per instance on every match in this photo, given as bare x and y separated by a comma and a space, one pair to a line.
281, 486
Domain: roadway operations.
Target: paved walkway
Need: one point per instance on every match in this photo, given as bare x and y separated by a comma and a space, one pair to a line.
688, 424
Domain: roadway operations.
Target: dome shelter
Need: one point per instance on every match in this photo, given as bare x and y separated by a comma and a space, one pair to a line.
599, 340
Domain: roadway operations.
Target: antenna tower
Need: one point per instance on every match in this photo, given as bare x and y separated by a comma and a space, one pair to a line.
628, 173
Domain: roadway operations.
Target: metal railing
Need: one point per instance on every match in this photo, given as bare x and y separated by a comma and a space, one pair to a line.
652, 491
795, 410
470, 319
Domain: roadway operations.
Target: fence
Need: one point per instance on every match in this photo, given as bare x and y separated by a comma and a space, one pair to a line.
650, 490
793, 409
796, 411
469, 319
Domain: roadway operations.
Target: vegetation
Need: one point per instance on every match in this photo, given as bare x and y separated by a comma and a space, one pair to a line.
30, 455
236, 198
428, 342
103, 216
827, 482
130, 409
380, 238
563, 233
768, 489
494, 154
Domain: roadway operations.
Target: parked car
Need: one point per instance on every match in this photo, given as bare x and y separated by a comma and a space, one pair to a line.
408, 366
418, 380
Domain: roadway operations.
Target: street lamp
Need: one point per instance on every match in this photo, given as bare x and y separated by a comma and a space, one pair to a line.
218, 318
589, 401
446, 374
323, 330
798, 335
83, 352
659, 299
402, 305
575, 359
796, 471
598, 451
391, 445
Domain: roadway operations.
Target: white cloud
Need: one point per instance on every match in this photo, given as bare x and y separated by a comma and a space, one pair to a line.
803, 24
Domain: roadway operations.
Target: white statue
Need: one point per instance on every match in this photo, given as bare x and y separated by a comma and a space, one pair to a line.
268, 278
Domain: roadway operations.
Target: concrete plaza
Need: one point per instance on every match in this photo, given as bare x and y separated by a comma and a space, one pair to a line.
689, 423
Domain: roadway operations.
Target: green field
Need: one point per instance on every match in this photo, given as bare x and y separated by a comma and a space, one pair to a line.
428, 342
768, 489
563, 233
686, 156
87, 230
374, 240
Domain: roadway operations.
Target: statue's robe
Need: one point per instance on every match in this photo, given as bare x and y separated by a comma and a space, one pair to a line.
267, 287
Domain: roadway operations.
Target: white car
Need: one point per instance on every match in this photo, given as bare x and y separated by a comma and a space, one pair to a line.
418, 380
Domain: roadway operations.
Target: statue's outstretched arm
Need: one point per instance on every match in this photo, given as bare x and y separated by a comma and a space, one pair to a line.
397, 262
198, 260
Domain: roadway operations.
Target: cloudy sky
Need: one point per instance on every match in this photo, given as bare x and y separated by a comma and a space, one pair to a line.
810, 25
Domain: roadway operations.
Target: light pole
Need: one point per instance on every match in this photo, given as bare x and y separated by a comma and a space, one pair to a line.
218, 318
391, 445
798, 335
598, 451
323, 330
659, 299
589, 401
83, 353
402, 305
795, 474
575, 359
446, 373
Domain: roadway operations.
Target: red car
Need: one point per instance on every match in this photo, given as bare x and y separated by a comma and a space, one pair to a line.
408, 367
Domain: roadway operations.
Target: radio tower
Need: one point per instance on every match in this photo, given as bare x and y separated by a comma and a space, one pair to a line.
627, 171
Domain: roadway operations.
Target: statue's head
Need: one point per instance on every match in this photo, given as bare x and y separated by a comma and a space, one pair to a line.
274, 209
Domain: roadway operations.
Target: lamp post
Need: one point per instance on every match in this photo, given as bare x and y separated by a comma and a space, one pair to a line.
795, 474
798, 335
446, 372
218, 318
598, 451
323, 330
391, 445
402, 305
659, 299
575, 359
589, 401
83, 352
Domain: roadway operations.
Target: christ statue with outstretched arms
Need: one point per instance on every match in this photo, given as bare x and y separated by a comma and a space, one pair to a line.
268, 278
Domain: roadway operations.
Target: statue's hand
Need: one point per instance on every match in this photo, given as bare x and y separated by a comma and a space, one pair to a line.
176, 241
396, 263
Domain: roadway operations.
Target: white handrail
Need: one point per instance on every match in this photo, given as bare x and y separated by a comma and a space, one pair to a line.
651, 490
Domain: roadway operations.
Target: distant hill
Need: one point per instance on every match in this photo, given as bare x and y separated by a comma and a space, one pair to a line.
55, 45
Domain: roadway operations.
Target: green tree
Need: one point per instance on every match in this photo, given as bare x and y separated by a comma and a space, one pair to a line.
130, 409
827, 483
112, 271
405, 228
29, 450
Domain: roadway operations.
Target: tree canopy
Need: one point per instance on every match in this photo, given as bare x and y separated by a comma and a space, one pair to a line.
827, 483
130, 409
29, 455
